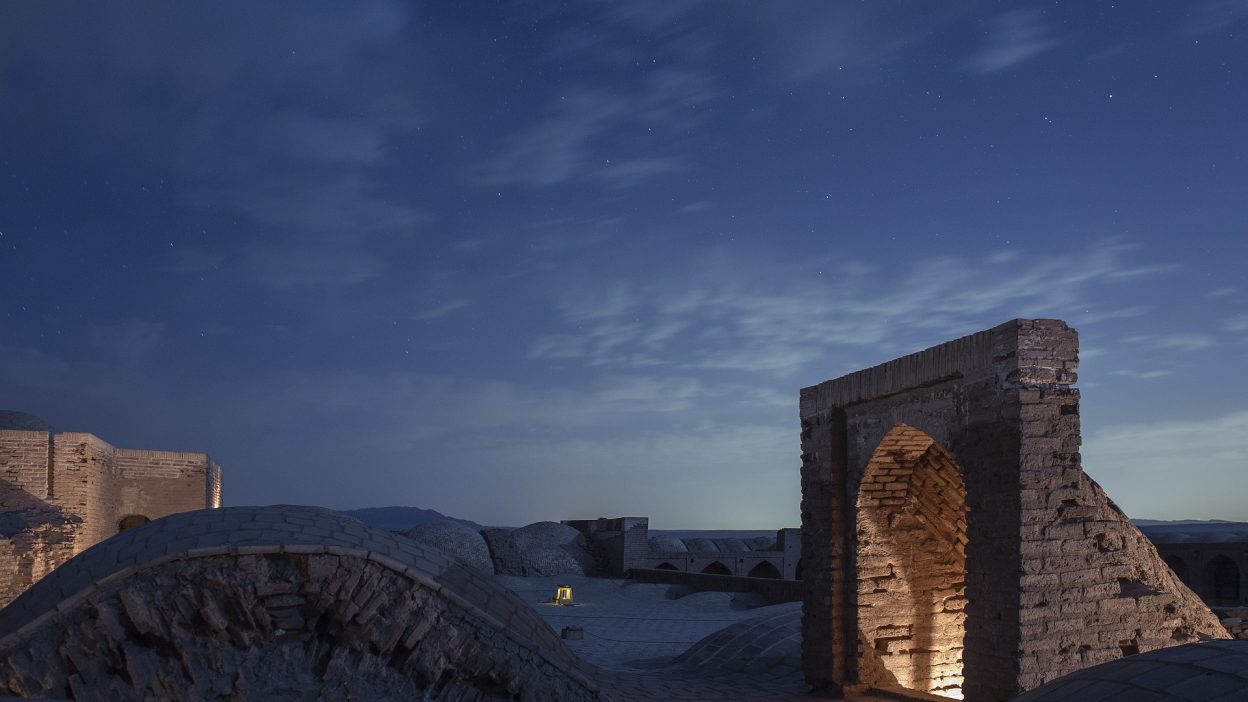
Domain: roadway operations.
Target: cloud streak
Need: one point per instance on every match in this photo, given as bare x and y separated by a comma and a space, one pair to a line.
1013, 38
719, 319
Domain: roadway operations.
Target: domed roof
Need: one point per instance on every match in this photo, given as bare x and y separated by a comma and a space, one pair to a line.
456, 539
1207, 670
12, 419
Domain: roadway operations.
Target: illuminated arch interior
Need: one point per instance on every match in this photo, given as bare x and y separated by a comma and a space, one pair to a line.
911, 554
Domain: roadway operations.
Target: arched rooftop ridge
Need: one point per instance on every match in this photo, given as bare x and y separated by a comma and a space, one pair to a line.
278, 529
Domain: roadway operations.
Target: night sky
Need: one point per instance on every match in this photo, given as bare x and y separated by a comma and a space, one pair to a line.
517, 261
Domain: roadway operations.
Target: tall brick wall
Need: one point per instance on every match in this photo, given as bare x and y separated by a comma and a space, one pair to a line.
84, 483
1046, 551
159, 483
63, 493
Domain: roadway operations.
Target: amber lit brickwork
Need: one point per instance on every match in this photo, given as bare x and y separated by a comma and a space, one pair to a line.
1044, 576
61, 493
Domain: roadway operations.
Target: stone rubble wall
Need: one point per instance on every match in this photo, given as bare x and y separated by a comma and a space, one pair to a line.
1235, 621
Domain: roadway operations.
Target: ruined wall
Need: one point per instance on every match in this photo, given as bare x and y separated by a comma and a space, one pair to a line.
1056, 578
62, 493
619, 544
84, 483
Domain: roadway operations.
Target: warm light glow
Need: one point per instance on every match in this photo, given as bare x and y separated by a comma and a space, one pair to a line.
563, 595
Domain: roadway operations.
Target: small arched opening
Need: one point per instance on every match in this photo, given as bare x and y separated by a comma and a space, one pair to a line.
716, 568
911, 557
765, 569
666, 566
1181, 571
131, 521
797, 570
1221, 580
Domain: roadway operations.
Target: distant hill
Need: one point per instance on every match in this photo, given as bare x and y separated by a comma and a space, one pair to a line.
400, 518
1193, 531
12, 419
1211, 523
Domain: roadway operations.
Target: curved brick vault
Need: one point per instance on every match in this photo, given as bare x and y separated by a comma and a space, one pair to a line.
1056, 577
911, 554
277, 603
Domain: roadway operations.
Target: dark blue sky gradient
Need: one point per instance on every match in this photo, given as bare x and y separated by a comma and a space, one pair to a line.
520, 261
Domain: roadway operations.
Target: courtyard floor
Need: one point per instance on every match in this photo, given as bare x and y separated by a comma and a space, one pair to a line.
660, 642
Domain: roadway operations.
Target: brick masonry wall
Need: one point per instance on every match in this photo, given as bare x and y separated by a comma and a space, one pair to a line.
158, 483
61, 494
23, 468
84, 484
1046, 550
30, 554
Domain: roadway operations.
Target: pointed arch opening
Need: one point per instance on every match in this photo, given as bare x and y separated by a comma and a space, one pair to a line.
716, 568
765, 569
911, 557
1181, 571
1221, 579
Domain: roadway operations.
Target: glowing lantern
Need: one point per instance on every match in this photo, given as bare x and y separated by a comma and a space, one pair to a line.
563, 595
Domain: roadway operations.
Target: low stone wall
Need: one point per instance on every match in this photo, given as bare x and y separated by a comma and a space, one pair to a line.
773, 590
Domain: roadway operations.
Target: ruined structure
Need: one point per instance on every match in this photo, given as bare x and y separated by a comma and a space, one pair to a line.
60, 493
623, 544
1214, 563
952, 542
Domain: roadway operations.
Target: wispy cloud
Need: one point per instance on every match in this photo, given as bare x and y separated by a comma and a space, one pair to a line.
1238, 323
1215, 15
250, 123
721, 319
1179, 342
1141, 375
568, 142
1014, 37
442, 310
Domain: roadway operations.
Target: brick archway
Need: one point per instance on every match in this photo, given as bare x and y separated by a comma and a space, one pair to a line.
1221, 580
1040, 533
911, 562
